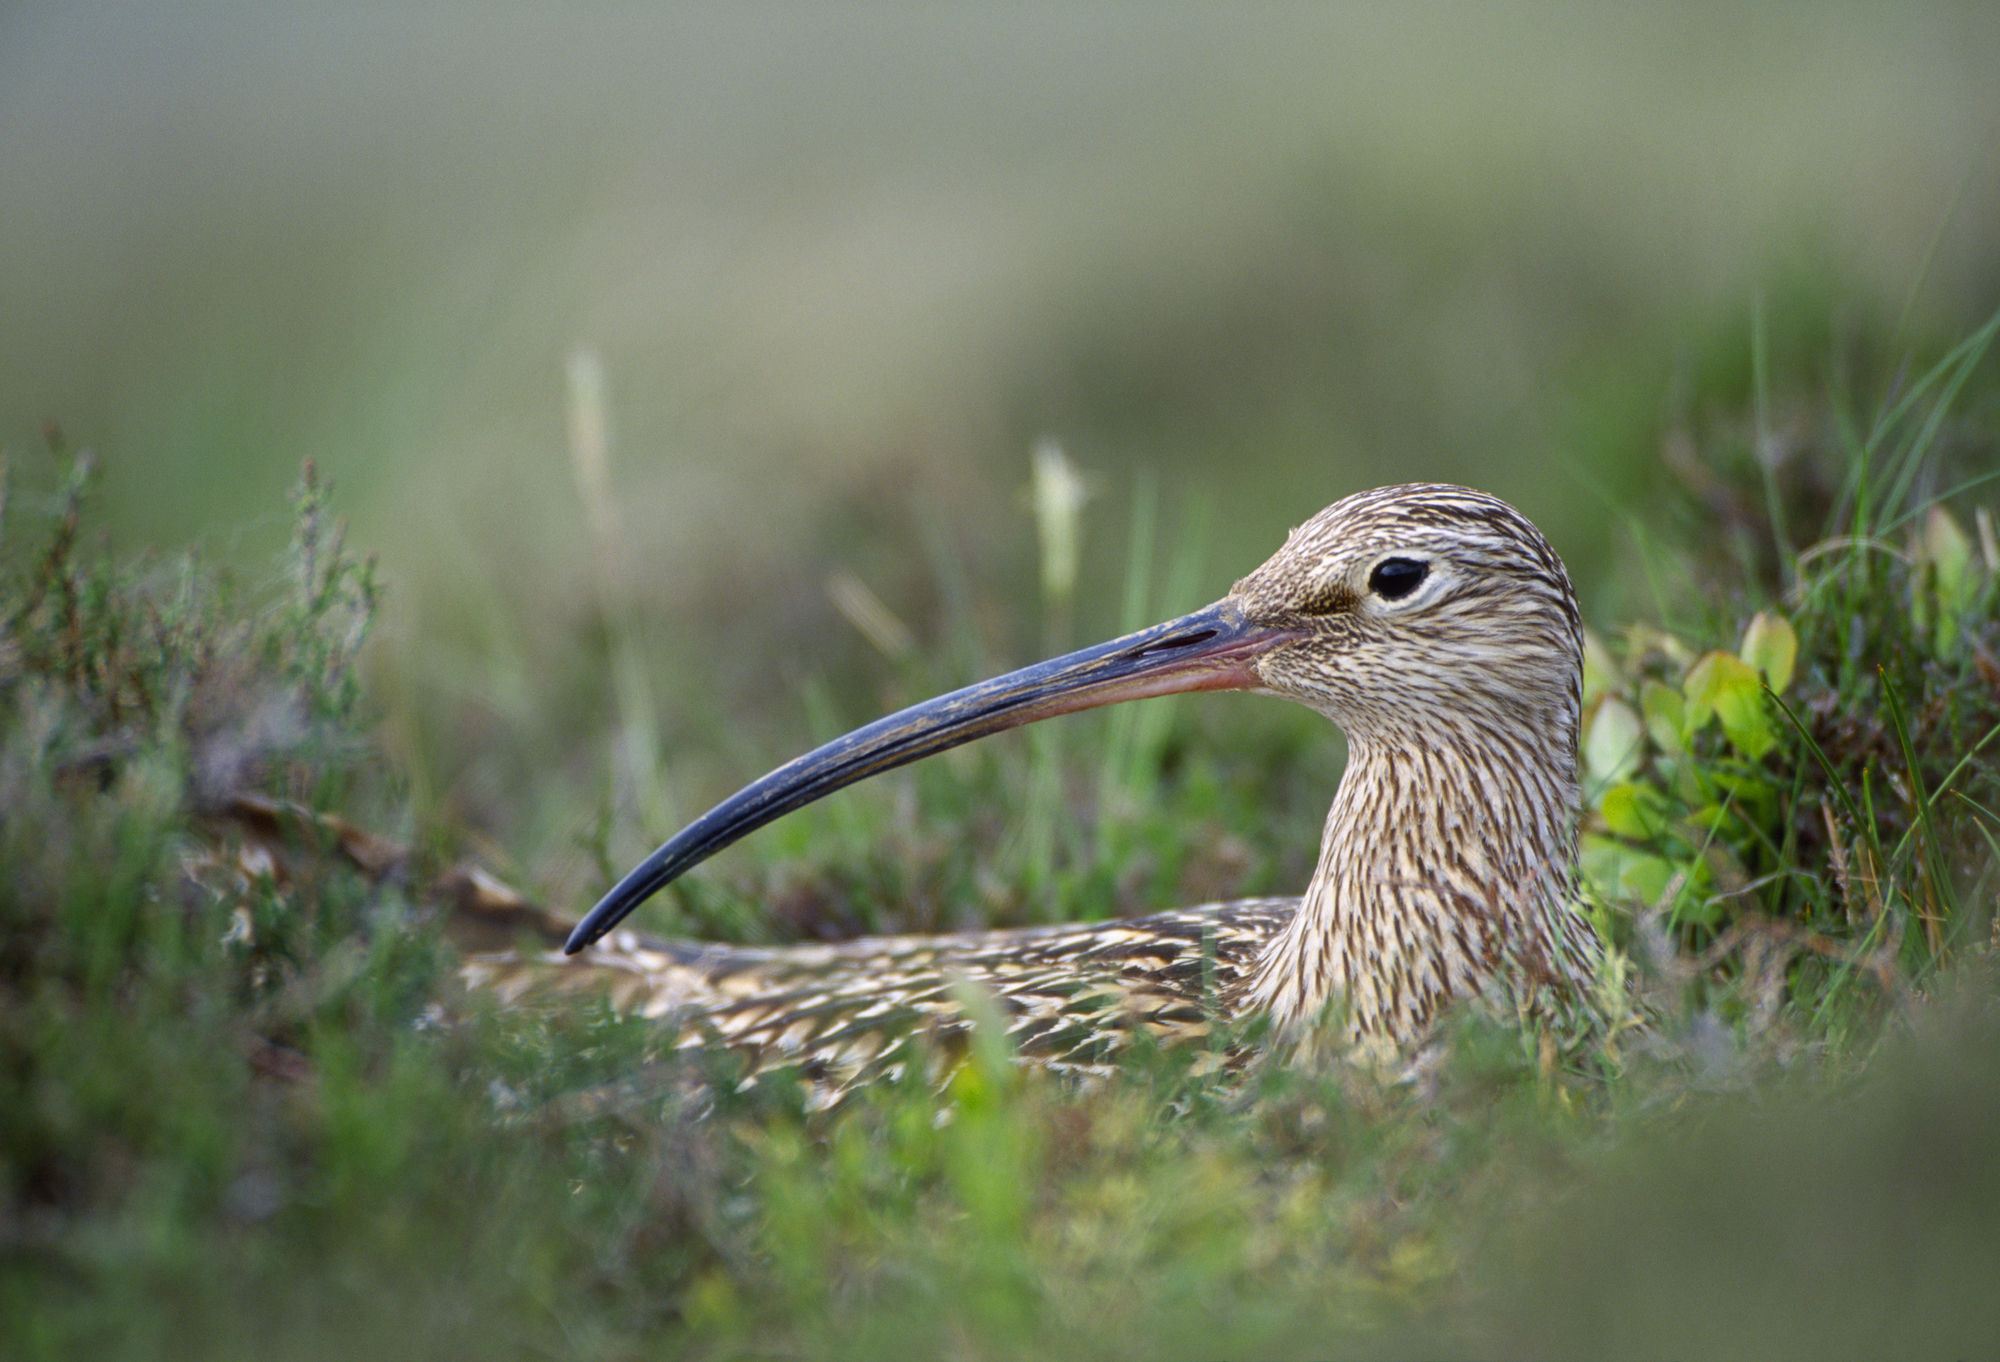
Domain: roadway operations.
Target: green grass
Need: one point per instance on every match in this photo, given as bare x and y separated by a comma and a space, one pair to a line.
246, 1111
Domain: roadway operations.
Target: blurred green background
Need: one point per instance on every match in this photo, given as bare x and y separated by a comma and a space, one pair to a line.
843, 266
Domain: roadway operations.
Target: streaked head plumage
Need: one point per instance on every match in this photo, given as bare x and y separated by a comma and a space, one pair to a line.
1417, 601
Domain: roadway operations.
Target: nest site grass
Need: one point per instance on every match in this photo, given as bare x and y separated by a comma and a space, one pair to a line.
245, 1107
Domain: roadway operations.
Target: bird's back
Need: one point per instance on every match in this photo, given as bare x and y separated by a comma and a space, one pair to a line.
1070, 997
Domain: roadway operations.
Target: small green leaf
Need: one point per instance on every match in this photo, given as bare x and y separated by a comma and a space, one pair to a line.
1771, 645
1687, 781
1645, 878
1666, 716
1615, 742
1749, 793
1643, 640
1949, 550
1635, 811
1616, 871
1728, 688
1690, 911
1944, 557
1698, 689
1714, 819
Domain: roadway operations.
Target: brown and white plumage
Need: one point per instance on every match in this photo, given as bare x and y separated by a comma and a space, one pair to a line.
1449, 852
1432, 623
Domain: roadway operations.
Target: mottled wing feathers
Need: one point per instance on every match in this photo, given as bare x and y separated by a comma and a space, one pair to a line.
1070, 997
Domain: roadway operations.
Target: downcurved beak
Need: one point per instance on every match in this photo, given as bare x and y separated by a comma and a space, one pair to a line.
1212, 649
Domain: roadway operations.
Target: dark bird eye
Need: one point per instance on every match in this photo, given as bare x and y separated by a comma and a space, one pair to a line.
1395, 578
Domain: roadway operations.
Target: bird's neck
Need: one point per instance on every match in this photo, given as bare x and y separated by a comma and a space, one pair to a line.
1447, 871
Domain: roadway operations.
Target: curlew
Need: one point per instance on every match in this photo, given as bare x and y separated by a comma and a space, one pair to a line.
1433, 624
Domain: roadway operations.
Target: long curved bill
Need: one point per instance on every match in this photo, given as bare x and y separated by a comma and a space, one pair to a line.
1211, 649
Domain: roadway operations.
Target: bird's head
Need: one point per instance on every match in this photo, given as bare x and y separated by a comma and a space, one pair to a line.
1411, 612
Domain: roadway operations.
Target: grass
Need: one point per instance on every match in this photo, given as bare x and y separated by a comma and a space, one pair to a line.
245, 1110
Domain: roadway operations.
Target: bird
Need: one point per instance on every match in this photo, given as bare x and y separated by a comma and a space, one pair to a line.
1432, 623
